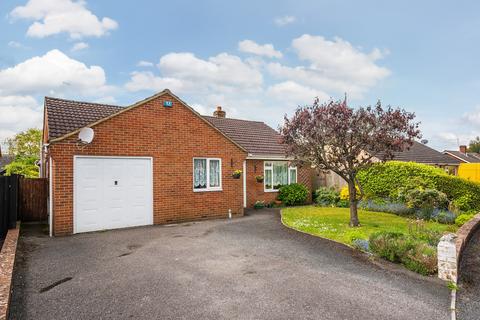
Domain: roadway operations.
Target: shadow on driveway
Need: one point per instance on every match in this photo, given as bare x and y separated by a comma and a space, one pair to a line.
245, 268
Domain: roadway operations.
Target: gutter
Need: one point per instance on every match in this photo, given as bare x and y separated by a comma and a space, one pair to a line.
251, 156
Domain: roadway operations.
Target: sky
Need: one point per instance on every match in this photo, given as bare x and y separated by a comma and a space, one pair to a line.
259, 60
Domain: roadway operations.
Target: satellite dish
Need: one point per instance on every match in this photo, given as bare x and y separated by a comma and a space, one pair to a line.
86, 135
424, 141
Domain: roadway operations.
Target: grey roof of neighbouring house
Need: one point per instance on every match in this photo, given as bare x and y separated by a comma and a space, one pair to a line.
421, 153
469, 157
4, 160
66, 116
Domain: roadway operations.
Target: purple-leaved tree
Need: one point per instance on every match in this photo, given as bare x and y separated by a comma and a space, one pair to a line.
333, 136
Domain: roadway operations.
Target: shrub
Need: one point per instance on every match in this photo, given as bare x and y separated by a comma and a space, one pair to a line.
361, 244
462, 203
444, 216
392, 178
382, 205
421, 258
345, 194
326, 197
293, 194
417, 252
343, 203
389, 245
426, 199
463, 218
259, 205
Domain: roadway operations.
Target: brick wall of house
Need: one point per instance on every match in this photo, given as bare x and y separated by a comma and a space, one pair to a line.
255, 190
172, 136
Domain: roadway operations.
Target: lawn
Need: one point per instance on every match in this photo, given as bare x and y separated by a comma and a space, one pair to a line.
332, 223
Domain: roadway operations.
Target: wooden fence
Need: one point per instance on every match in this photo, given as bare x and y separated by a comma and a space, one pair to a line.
33, 199
8, 203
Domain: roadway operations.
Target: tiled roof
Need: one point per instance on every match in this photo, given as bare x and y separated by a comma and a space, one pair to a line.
65, 116
254, 136
469, 157
4, 160
421, 153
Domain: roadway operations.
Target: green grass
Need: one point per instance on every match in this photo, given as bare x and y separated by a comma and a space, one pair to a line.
332, 223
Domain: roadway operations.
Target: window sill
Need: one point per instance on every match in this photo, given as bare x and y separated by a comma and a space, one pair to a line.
207, 190
270, 190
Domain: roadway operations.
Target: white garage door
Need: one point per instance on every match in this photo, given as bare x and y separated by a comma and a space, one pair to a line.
112, 193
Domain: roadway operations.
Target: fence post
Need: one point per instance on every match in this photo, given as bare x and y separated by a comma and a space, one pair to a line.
12, 201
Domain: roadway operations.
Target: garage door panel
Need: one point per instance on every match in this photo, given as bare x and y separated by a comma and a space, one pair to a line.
112, 193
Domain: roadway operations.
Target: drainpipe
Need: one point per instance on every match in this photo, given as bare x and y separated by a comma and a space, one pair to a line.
50, 197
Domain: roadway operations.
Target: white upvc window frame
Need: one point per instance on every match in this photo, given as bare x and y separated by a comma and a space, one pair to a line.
270, 168
208, 188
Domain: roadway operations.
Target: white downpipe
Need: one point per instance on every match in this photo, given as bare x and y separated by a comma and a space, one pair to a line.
50, 198
244, 183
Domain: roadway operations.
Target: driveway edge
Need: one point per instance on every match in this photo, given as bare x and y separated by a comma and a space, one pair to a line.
7, 261
378, 262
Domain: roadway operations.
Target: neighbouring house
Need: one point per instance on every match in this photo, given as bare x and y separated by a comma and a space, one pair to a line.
4, 160
418, 152
156, 162
463, 155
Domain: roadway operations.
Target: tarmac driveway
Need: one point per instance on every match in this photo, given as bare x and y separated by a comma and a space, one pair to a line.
246, 268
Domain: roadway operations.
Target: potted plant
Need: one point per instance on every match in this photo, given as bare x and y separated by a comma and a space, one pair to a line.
236, 174
259, 178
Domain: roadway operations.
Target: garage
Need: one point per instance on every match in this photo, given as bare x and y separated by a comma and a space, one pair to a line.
112, 192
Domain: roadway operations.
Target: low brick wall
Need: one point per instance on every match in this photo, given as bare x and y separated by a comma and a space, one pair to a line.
7, 261
464, 234
451, 247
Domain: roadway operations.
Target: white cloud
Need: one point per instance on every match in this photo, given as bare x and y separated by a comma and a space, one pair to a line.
53, 73
18, 113
146, 80
266, 50
294, 93
79, 46
106, 100
472, 117
324, 69
200, 108
57, 16
15, 44
186, 73
143, 63
283, 21
332, 66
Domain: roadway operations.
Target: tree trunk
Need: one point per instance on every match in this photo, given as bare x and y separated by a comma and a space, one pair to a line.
352, 192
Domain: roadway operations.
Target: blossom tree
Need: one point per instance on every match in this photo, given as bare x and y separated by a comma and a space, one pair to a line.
333, 136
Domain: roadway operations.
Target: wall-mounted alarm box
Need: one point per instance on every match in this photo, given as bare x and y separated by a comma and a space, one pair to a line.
167, 103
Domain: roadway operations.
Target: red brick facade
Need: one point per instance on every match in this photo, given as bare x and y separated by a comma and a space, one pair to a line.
256, 191
172, 136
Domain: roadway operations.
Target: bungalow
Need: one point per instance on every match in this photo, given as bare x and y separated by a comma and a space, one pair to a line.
156, 162
418, 152
463, 156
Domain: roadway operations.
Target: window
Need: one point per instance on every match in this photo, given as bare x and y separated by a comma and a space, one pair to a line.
207, 174
277, 174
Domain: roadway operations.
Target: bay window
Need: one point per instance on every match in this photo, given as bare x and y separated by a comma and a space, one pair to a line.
207, 174
277, 174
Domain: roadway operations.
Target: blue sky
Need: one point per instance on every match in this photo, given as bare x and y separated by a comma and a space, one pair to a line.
258, 59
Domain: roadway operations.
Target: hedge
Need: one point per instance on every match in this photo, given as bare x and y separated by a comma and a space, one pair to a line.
386, 180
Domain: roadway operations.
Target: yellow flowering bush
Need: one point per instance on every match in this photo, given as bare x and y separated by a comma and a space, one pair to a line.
344, 194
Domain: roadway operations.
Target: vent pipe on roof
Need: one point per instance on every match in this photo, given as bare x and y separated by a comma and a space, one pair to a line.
219, 113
